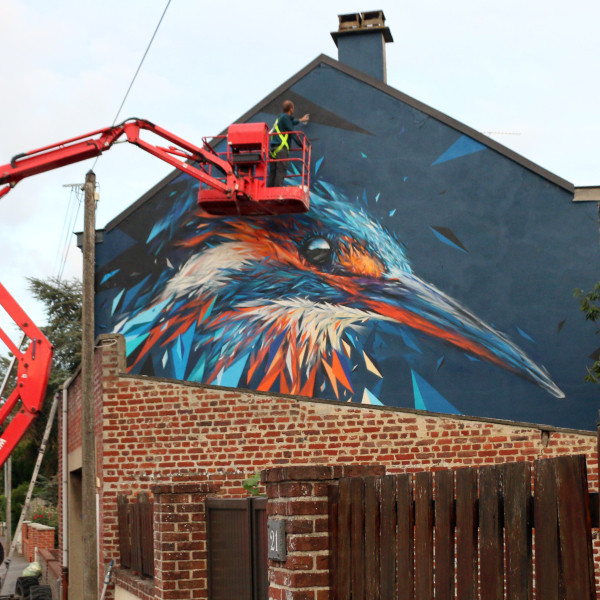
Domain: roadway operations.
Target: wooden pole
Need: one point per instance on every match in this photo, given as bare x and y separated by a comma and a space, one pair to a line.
88, 438
8, 494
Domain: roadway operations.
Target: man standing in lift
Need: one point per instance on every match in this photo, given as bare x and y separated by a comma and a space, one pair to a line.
280, 143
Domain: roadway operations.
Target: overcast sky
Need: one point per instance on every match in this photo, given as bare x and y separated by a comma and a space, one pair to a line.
526, 68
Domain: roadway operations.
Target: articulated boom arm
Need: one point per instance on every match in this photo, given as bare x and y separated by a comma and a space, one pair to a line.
96, 142
33, 372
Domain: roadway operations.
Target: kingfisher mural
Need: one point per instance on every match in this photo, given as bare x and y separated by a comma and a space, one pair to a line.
303, 304
434, 271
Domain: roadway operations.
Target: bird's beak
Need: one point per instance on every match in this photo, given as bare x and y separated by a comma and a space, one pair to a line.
419, 305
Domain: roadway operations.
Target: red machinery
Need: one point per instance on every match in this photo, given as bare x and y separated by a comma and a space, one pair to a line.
233, 182
33, 372
248, 153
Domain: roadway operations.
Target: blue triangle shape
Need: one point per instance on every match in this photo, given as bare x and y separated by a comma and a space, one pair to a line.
428, 398
463, 146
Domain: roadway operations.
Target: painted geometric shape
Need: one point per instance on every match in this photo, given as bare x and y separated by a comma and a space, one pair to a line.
463, 146
410, 340
525, 335
371, 365
370, 398
447, 236
109, 275
428, 398
230, 377
595, 355
318, 164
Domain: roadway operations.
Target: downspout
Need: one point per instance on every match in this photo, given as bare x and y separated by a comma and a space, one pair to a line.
65, 488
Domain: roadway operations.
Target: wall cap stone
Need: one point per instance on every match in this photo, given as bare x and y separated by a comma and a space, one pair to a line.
185, 488
319, 472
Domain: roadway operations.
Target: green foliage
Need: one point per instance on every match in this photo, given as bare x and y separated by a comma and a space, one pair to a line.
252, 485
42, 513
46, 489
590, 305
62, 302
18, 499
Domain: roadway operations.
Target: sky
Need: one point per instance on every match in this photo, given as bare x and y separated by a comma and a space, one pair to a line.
522, 72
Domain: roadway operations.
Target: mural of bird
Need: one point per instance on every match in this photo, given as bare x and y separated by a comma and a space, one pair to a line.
286, 304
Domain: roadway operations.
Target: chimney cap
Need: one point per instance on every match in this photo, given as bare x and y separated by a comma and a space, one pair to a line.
365, 22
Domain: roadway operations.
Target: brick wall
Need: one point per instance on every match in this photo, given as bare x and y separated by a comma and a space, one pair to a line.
300, 496
153, 430
35, 536
51, 570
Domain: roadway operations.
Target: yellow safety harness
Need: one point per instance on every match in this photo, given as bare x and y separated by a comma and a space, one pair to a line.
282, 136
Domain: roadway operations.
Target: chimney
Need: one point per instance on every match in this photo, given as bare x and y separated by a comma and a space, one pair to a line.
361, 40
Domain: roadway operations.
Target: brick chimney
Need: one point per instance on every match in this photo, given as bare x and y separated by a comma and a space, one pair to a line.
361, 40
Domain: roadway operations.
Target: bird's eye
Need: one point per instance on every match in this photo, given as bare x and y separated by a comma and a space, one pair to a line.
317, 251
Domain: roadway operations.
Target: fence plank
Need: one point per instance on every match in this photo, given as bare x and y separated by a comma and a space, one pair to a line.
405, 537
444, 535
357, 573
124, 531
547, 570
136, 545
372, 529
575, 534
344, 546
260, 551
146, 520
423, 536
466, 533
517, 495
334, 571
387, 562
490, 533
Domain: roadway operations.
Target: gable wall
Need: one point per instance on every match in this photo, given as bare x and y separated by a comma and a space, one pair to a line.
502, 240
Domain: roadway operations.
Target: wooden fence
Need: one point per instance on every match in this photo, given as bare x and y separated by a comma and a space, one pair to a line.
465, 534
136, 534
237, 548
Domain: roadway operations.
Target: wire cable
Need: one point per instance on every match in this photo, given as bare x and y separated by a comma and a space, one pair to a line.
75, 202
137, 71
65, 230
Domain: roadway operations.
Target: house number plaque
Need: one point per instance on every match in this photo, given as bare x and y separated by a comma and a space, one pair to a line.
277, 542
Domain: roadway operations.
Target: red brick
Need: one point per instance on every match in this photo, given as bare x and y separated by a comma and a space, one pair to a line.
184, 441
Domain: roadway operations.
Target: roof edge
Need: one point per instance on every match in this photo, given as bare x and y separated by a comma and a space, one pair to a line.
587, 193
450, 121
256, 108
385, 88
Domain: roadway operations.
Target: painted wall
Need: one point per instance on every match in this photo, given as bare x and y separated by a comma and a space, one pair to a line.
431, 272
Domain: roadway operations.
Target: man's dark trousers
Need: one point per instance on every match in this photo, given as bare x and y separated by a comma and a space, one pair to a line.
279, 169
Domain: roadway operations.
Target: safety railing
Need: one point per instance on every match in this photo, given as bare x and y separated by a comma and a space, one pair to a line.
298, 171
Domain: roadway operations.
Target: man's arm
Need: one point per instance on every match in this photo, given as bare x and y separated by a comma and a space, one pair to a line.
288, 124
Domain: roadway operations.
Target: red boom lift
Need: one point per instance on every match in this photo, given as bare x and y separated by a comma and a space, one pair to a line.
233, 181
33, 372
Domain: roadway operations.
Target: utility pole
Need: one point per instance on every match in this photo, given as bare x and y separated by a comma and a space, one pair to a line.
88, 437
8, 496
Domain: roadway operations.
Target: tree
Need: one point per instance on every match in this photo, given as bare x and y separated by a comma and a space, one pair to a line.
590, 306
62, 302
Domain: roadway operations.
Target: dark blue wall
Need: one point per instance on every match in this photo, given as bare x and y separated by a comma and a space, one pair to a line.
445, 279
364, 51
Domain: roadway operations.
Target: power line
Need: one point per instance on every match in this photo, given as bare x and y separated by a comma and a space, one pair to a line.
137, 71
65, 228
73, 209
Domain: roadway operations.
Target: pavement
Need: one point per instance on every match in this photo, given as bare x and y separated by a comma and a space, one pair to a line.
15, 569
